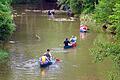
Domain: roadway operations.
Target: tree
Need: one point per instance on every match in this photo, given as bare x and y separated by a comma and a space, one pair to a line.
89, 5
104, 10
6, 21
108, 12
76, 6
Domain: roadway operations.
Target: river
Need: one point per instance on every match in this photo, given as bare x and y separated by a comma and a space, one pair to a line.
34, 34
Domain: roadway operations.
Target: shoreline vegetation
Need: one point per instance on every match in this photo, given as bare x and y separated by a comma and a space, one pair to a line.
7, 27
4, 55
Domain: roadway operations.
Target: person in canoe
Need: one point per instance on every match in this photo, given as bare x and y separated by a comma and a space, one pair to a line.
44, 60
67, 44
48, 54
83, 28
73, 41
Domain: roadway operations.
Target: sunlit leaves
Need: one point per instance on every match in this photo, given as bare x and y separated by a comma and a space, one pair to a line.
78, 6
104, 10
6, 20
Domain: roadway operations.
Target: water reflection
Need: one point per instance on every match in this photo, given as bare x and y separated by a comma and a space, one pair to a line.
83, 35
50, 71
32, 67
43, 72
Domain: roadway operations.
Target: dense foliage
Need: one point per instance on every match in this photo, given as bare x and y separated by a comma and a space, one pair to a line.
78, 6
6, 20
108, 12
89, 5
6, 26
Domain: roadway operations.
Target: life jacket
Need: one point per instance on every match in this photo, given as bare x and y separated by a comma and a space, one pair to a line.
72, 40
43, 59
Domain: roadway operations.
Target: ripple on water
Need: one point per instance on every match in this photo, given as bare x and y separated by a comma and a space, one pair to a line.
31, 67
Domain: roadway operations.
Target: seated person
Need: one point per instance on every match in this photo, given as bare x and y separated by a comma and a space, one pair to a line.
48, 54
67, 43
73, 41
43, 60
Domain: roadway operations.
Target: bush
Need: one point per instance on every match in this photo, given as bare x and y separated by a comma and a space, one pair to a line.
3, 55
6, 21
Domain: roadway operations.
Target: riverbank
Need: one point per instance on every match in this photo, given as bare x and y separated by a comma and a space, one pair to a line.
3, 55
87, 19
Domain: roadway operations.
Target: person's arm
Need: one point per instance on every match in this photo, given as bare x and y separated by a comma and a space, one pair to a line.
50, 54
47, 59
75, 38
40, 59
68, 41
44, 53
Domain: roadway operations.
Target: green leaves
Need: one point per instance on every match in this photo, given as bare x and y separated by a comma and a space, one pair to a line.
104, 49
79, 6
4, 55
6, 21
108, 11
76, 6
101, 49
104, 10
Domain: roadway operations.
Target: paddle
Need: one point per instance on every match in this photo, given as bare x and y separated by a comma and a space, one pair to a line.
58, 60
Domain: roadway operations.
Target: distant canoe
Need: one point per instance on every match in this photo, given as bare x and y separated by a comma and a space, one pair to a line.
72, 46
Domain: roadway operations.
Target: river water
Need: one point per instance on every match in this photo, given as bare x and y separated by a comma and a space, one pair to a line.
34, 34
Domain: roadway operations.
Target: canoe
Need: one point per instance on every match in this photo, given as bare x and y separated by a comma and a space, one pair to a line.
72, 46
67, 47
48, 63
84, 31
